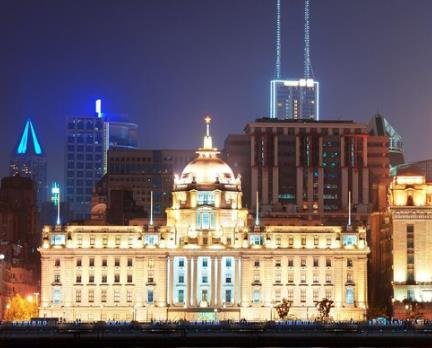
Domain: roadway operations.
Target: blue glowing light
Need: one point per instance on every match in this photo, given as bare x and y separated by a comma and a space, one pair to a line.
22, 147
99, 107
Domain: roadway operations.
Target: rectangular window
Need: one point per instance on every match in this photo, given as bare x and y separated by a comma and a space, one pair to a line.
104, 262
117, 262
277, 295
117, 278
315, 261
290, 277
105, 241
56, 296
92, 241
328, 262
228, 296
315, 295
91, 262
303, 241
290, 262
228, 262
104, 278
316, 241
181, 279
256, 296
328, 294
316, 278
129, 262
290, 241
349, 296
129, 296
129, 278
150, 296
256, 263
78, 278
56, 277
303, 277
290, 295
303, 262
278, 263
103, 295
204, 279
228, 279
117, 241
57, 263
78, 263
91, 278
328, 241
78, 296
116, 296
328, 278
91, 296
303, 295
180, 296
349, 262
181, 263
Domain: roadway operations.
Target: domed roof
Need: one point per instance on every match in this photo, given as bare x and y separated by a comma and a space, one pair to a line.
207, 168
204, 171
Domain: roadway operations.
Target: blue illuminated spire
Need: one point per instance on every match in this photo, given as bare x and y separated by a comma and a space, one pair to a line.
29, 132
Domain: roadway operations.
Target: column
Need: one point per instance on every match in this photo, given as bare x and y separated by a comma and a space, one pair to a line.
219, 281
168, 281
194, 294
213, 294
189, 280
192, 281
275, 174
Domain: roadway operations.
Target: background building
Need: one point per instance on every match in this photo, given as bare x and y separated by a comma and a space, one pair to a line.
88, 140
28, 160
306, 168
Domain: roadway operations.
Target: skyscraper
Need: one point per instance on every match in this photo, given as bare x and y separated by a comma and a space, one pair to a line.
294, 98
28, 160
88, 139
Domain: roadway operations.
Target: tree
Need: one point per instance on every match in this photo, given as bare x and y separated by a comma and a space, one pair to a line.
283, 308
20, 308
324, 306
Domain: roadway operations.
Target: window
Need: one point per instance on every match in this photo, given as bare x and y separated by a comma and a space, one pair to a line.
290, 277
204, 279
349, 262
104, 262
228, 262
328, 262
328, 294
129, 278
303, 241
130, 242
316, 241
91, 296
205, 263
117, 262
78, 278
316, 278
303, 262
181, 278
129, 296
205, 220
56, 277
290, 262
117, 278
180, 296
315, 295
256, 263
78, 296
92, 241
205, 197
278, 277
255, 240
328, 278
303, 277
256, 296
349, 296
181, 263
117, 241
290, 241
349, 277
129, 262
91, 262
278, 241
150, 263
104, 278
315, 262
116, 296
303, 295
103, 295
105, 241
290, 295
56, 296
228, 298
79, 242
91, 278
57, 263
256, 275
278, 263
328, 241
150, 296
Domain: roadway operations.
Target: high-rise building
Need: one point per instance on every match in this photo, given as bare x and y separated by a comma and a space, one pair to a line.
87, 143
208, 262
28, 160
294, 99
306, 167
411, 213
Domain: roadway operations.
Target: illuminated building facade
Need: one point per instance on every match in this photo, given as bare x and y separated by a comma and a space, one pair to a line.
28, 160
411, 212
87, 142
294, 99
208, 262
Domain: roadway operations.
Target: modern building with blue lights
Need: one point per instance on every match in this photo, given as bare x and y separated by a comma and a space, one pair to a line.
28, 160
88, 139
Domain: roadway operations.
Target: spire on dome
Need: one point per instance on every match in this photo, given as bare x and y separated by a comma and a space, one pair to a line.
208, 143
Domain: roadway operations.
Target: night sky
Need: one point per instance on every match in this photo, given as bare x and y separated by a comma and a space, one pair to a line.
167, 63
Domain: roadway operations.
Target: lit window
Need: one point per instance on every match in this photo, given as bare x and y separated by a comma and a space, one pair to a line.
78, 296
290, 295
228, 297
328, 294
180, 296
56, 296
256, 296
349, 296
150, 296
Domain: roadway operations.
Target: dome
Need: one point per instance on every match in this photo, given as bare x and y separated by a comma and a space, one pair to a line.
207, 168
207, 171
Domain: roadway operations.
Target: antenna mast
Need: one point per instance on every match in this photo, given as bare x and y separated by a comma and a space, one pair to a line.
308, 73
278, 40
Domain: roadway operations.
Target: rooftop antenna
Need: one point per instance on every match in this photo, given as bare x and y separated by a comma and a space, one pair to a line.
151, 208
98, 107
278, 40
308, 73
257, 222
55, 191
